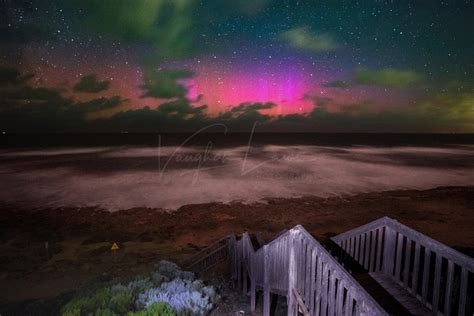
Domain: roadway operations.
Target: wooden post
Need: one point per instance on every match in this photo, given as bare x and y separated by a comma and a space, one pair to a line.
463, 292
266, 282
379, 250
398, 260
449, 284
416, 268
436, 285
426, 273
253, 294
239, 272
292, 273
389, 251
244, 279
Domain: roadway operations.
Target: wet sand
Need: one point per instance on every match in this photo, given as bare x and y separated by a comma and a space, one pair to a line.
79, 239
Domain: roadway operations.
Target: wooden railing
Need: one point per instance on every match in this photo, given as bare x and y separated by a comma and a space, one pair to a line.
211, 255
297, 266
437, 275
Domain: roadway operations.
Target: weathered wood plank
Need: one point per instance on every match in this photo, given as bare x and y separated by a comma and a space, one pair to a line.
332, 293
349, 305
406, 272
292, 271
324, 290
426, 271
319, 284
463, 292
253, 295
398, 262
436, 284
313, 281
449, 286
266, 285
362, 249
339, 297
416, 268
357, 246
379, 250
389, 250
372, 250
244, 279
367, 251
300, 303
351, 247
308, 277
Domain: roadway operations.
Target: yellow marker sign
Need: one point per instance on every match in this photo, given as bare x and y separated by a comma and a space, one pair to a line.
115, 247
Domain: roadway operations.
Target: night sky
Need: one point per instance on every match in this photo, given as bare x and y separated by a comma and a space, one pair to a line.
182, 65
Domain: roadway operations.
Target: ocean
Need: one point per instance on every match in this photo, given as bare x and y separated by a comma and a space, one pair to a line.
123, 171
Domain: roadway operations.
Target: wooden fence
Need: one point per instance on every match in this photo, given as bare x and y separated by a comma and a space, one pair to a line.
440, 277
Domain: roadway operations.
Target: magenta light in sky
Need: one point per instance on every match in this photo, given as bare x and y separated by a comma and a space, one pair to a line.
284, 85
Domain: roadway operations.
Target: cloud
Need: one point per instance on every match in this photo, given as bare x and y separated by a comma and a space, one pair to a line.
303, 38
164, 84
31, 94
24, 108
173, 116
100, 104
251, 107
337, 84
11, 76
388, 77
90, 84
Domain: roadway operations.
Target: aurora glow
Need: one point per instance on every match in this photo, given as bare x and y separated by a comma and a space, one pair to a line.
179, 65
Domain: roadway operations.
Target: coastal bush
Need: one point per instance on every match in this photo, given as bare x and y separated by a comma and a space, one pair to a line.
161, 309
72, 312
88, 304
105, 312
122, 302
167, 291
184, 296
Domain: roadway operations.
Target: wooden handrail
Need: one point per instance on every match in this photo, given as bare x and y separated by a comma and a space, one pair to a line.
400, 244
205, 252
447, 252
295, 261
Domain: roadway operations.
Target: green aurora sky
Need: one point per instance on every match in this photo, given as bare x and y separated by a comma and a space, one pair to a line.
290, 66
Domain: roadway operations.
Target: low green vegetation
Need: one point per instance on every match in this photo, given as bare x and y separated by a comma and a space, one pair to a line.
167, 291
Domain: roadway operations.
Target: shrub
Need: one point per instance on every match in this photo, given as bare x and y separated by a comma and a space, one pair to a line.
151, 296
104, 312
161, 309
88, 304
72, 312
184, 296
121, 302
172, 271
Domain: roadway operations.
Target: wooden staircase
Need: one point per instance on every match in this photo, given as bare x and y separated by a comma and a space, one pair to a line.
393, 258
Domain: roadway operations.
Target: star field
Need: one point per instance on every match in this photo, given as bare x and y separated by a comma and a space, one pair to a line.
361, 62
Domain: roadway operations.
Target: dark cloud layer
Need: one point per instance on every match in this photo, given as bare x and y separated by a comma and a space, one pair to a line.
25, 108
90, 84
165, 84
12, 76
